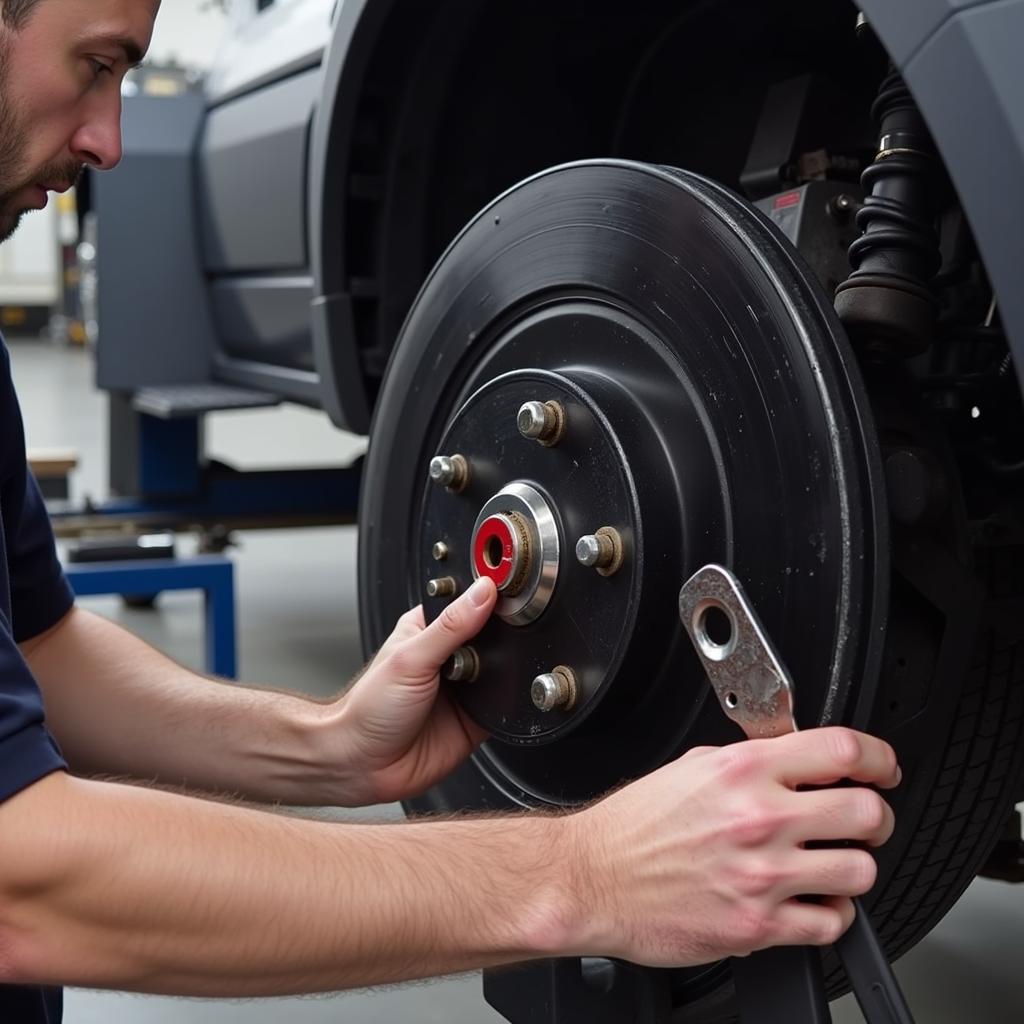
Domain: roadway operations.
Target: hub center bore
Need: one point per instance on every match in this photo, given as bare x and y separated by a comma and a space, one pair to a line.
502, 551
515, 543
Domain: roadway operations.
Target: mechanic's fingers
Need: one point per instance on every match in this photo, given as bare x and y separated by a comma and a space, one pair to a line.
819, 757
460, 621
822, 923
837, 871
853, 813
842, 871
409, 625
411, 622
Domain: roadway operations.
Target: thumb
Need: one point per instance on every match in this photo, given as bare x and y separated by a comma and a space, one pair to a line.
459, 622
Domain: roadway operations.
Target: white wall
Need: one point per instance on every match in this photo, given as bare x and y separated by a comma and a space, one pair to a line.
189, 31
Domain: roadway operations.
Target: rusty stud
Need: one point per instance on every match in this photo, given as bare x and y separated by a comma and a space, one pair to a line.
463, 666
554, 690
443, 587
543, 422
451, 471
602, 551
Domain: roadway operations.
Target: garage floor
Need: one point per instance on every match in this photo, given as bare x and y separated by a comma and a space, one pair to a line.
297, 627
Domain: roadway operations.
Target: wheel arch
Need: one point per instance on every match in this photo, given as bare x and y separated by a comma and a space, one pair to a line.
414, 49
368, 43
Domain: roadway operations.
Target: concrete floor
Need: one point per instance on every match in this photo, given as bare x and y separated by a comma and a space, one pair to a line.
298, 629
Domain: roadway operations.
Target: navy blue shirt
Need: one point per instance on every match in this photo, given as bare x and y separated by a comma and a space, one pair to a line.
34, 595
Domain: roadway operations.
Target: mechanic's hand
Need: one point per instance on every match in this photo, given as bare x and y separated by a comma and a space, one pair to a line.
706, 857
396, 732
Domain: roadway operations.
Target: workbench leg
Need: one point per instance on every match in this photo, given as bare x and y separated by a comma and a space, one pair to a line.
221, 653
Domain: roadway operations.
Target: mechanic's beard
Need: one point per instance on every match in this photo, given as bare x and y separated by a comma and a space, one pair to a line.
13, 144
12, 148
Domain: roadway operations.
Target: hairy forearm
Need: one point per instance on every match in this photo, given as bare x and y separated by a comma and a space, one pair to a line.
122, 887
119, 707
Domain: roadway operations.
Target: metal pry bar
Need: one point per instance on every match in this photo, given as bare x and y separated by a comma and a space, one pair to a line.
746, 673
756, 692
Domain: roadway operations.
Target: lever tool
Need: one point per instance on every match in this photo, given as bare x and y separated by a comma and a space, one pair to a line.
756, 692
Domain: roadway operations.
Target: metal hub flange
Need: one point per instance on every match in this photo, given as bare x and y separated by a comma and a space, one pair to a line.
515, 543
517, 522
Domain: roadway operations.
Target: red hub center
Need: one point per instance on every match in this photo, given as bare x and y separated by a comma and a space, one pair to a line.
497, 551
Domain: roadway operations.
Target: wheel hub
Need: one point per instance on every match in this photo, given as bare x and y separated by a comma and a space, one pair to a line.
515, 543
517, 521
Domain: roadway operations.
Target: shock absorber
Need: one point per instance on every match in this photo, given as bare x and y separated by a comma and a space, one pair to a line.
886, 303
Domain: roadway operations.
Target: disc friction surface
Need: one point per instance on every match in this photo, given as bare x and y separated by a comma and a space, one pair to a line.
707, 366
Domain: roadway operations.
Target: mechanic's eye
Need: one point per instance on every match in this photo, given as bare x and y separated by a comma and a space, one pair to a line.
99, 68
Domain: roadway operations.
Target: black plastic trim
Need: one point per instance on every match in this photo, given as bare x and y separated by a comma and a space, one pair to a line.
343, 389
291, 385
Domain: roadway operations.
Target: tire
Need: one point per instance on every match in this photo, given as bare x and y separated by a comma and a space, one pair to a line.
899, 650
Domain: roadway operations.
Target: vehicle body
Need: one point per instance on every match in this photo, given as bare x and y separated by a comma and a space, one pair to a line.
339, 150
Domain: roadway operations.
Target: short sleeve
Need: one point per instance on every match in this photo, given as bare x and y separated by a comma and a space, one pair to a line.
27, 751
34, 595
40, 593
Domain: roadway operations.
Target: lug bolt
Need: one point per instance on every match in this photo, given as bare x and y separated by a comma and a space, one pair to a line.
463, 666
602, 551
450, 471
439, 551
443, 587
542, 421
554, 690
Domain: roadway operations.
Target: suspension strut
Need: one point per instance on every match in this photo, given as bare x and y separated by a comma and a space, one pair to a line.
886, 303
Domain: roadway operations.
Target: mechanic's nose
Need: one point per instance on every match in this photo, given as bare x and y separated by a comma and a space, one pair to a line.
97, 143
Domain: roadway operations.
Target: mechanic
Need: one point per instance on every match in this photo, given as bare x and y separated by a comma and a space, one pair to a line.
124, 884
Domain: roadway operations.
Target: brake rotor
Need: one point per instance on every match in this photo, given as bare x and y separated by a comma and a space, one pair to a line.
630, 360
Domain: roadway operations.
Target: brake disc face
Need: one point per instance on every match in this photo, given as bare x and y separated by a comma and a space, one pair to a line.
630, 361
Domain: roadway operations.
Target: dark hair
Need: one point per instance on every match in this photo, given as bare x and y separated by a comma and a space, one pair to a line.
16, 12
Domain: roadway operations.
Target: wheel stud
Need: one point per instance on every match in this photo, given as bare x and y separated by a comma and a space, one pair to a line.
542, 421
554, 690
439, 551
601, 551
463, 666
443, 587
450, 471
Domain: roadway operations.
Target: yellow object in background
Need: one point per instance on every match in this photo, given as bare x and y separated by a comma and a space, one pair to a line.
67, 218
13, 316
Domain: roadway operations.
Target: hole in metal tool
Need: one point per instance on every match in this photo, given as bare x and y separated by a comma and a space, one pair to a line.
731, 700
715, 630
717, 626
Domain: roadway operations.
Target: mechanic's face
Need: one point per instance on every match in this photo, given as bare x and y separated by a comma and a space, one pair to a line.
60, 95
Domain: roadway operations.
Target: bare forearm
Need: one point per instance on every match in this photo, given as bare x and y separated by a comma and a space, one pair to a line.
158, 893
119, 707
